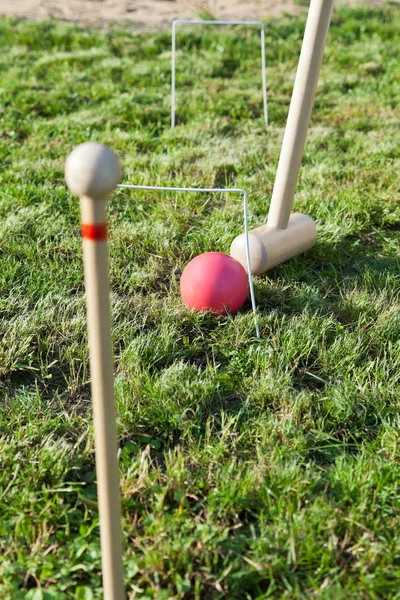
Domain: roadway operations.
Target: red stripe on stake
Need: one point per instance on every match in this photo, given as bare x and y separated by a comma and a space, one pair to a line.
94, 231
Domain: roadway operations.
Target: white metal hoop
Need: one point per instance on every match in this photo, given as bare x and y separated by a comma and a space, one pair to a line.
207, 22
246, 226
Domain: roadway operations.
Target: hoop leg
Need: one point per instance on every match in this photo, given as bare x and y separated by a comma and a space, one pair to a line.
173, 69
264, 76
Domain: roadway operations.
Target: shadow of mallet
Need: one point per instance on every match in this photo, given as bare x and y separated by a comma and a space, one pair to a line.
285, 235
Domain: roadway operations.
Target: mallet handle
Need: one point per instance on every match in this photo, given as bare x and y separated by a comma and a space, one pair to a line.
95, 258
312, 51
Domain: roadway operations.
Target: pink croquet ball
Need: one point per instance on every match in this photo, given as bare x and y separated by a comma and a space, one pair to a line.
214, 282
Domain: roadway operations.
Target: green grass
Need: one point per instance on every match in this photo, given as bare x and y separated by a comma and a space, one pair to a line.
249, 469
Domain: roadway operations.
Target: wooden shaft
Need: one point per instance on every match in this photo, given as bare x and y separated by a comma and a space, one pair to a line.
92, 171
300, 112
95, 258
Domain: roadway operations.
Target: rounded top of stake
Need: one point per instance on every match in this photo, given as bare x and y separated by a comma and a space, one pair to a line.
92, 170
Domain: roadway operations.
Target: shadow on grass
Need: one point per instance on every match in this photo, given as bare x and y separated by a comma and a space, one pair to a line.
56, 383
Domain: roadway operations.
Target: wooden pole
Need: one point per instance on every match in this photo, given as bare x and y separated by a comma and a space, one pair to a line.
92, 172
312, 51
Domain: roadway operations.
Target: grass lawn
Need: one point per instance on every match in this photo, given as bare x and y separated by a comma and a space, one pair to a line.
250, 469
